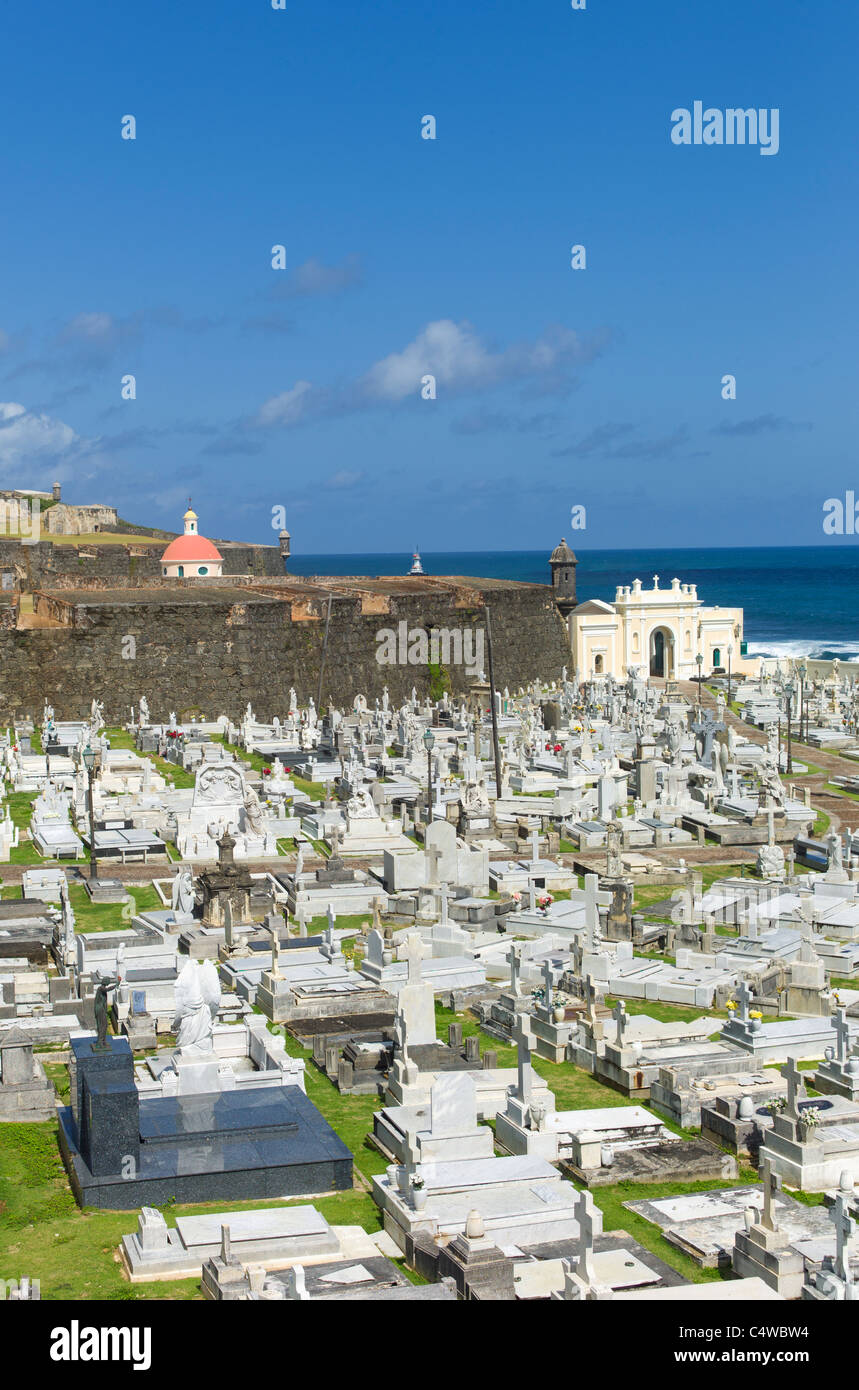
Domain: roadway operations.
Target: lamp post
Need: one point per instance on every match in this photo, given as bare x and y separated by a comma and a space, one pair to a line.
89, 757
730, 654
802, 671
700, 662
788, 695
429, 744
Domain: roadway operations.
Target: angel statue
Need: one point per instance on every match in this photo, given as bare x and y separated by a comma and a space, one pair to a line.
198, 994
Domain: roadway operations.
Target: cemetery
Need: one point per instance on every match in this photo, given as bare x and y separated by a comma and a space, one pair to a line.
513, 994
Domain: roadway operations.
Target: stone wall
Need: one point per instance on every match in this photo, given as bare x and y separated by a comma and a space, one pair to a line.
63, 519
212, 651
46, 565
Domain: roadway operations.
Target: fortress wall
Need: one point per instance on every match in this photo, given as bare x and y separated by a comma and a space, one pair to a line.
46, 565
213, 653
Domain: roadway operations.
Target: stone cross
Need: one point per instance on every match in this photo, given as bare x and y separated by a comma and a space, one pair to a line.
226, 1246
587, 1218
592, 912
332, 916
548, 985
744, 995
620, 1017
275, 954
532, 896
443, 897
514, 960
301, 917
535, 846
591, 999
795, 1087
842, 1033
839, 1214
434, 855
771, 1185
522, 1039
412, 952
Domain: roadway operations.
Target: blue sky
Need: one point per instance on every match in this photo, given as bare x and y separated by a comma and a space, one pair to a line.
300, 388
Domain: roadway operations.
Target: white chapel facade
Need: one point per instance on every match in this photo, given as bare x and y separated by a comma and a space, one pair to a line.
659, 631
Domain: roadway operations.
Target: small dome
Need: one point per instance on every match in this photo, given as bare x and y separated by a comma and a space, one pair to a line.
191, 550
190, 515
562, 554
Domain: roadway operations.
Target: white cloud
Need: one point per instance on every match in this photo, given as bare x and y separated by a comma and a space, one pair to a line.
459, 360
26, 438
90, 327
287, 408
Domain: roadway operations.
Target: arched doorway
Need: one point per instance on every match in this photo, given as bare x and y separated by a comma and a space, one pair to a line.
598, 665
660, 653
717, 657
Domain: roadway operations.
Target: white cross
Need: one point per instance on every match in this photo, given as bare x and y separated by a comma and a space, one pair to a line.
522, 1039
535, 846
744, 994
587, 1218
332, 916
771, 1185
840, 1215
842, 1032
514, 960
412, 952
620, 1017
795, 1087
548, 984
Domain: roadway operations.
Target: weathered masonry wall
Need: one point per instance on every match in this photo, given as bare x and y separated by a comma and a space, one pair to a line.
46, 565
211, 654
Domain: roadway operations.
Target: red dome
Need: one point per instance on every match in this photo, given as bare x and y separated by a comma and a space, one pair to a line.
191, 550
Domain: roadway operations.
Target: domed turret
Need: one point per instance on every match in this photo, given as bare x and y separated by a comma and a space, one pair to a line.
562, 563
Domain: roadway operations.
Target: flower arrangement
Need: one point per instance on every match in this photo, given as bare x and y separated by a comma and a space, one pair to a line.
545, 900
516, 896
755, 1013
266, 772
557, 748
731, 1006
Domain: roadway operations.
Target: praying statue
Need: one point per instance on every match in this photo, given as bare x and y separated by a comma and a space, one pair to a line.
198, 995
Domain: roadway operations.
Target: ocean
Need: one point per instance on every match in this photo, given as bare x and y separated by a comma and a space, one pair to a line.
799, 601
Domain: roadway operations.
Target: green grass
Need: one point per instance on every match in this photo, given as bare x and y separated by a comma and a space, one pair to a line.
667, 1013
90, 916
44, 1235
616, 1217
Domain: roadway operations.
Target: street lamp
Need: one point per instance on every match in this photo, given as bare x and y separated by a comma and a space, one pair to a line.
700, 662
429, 744
89, 757
730, 654
788, 695
802, 671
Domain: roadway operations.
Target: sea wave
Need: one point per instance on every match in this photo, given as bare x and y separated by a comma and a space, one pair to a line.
816, 651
